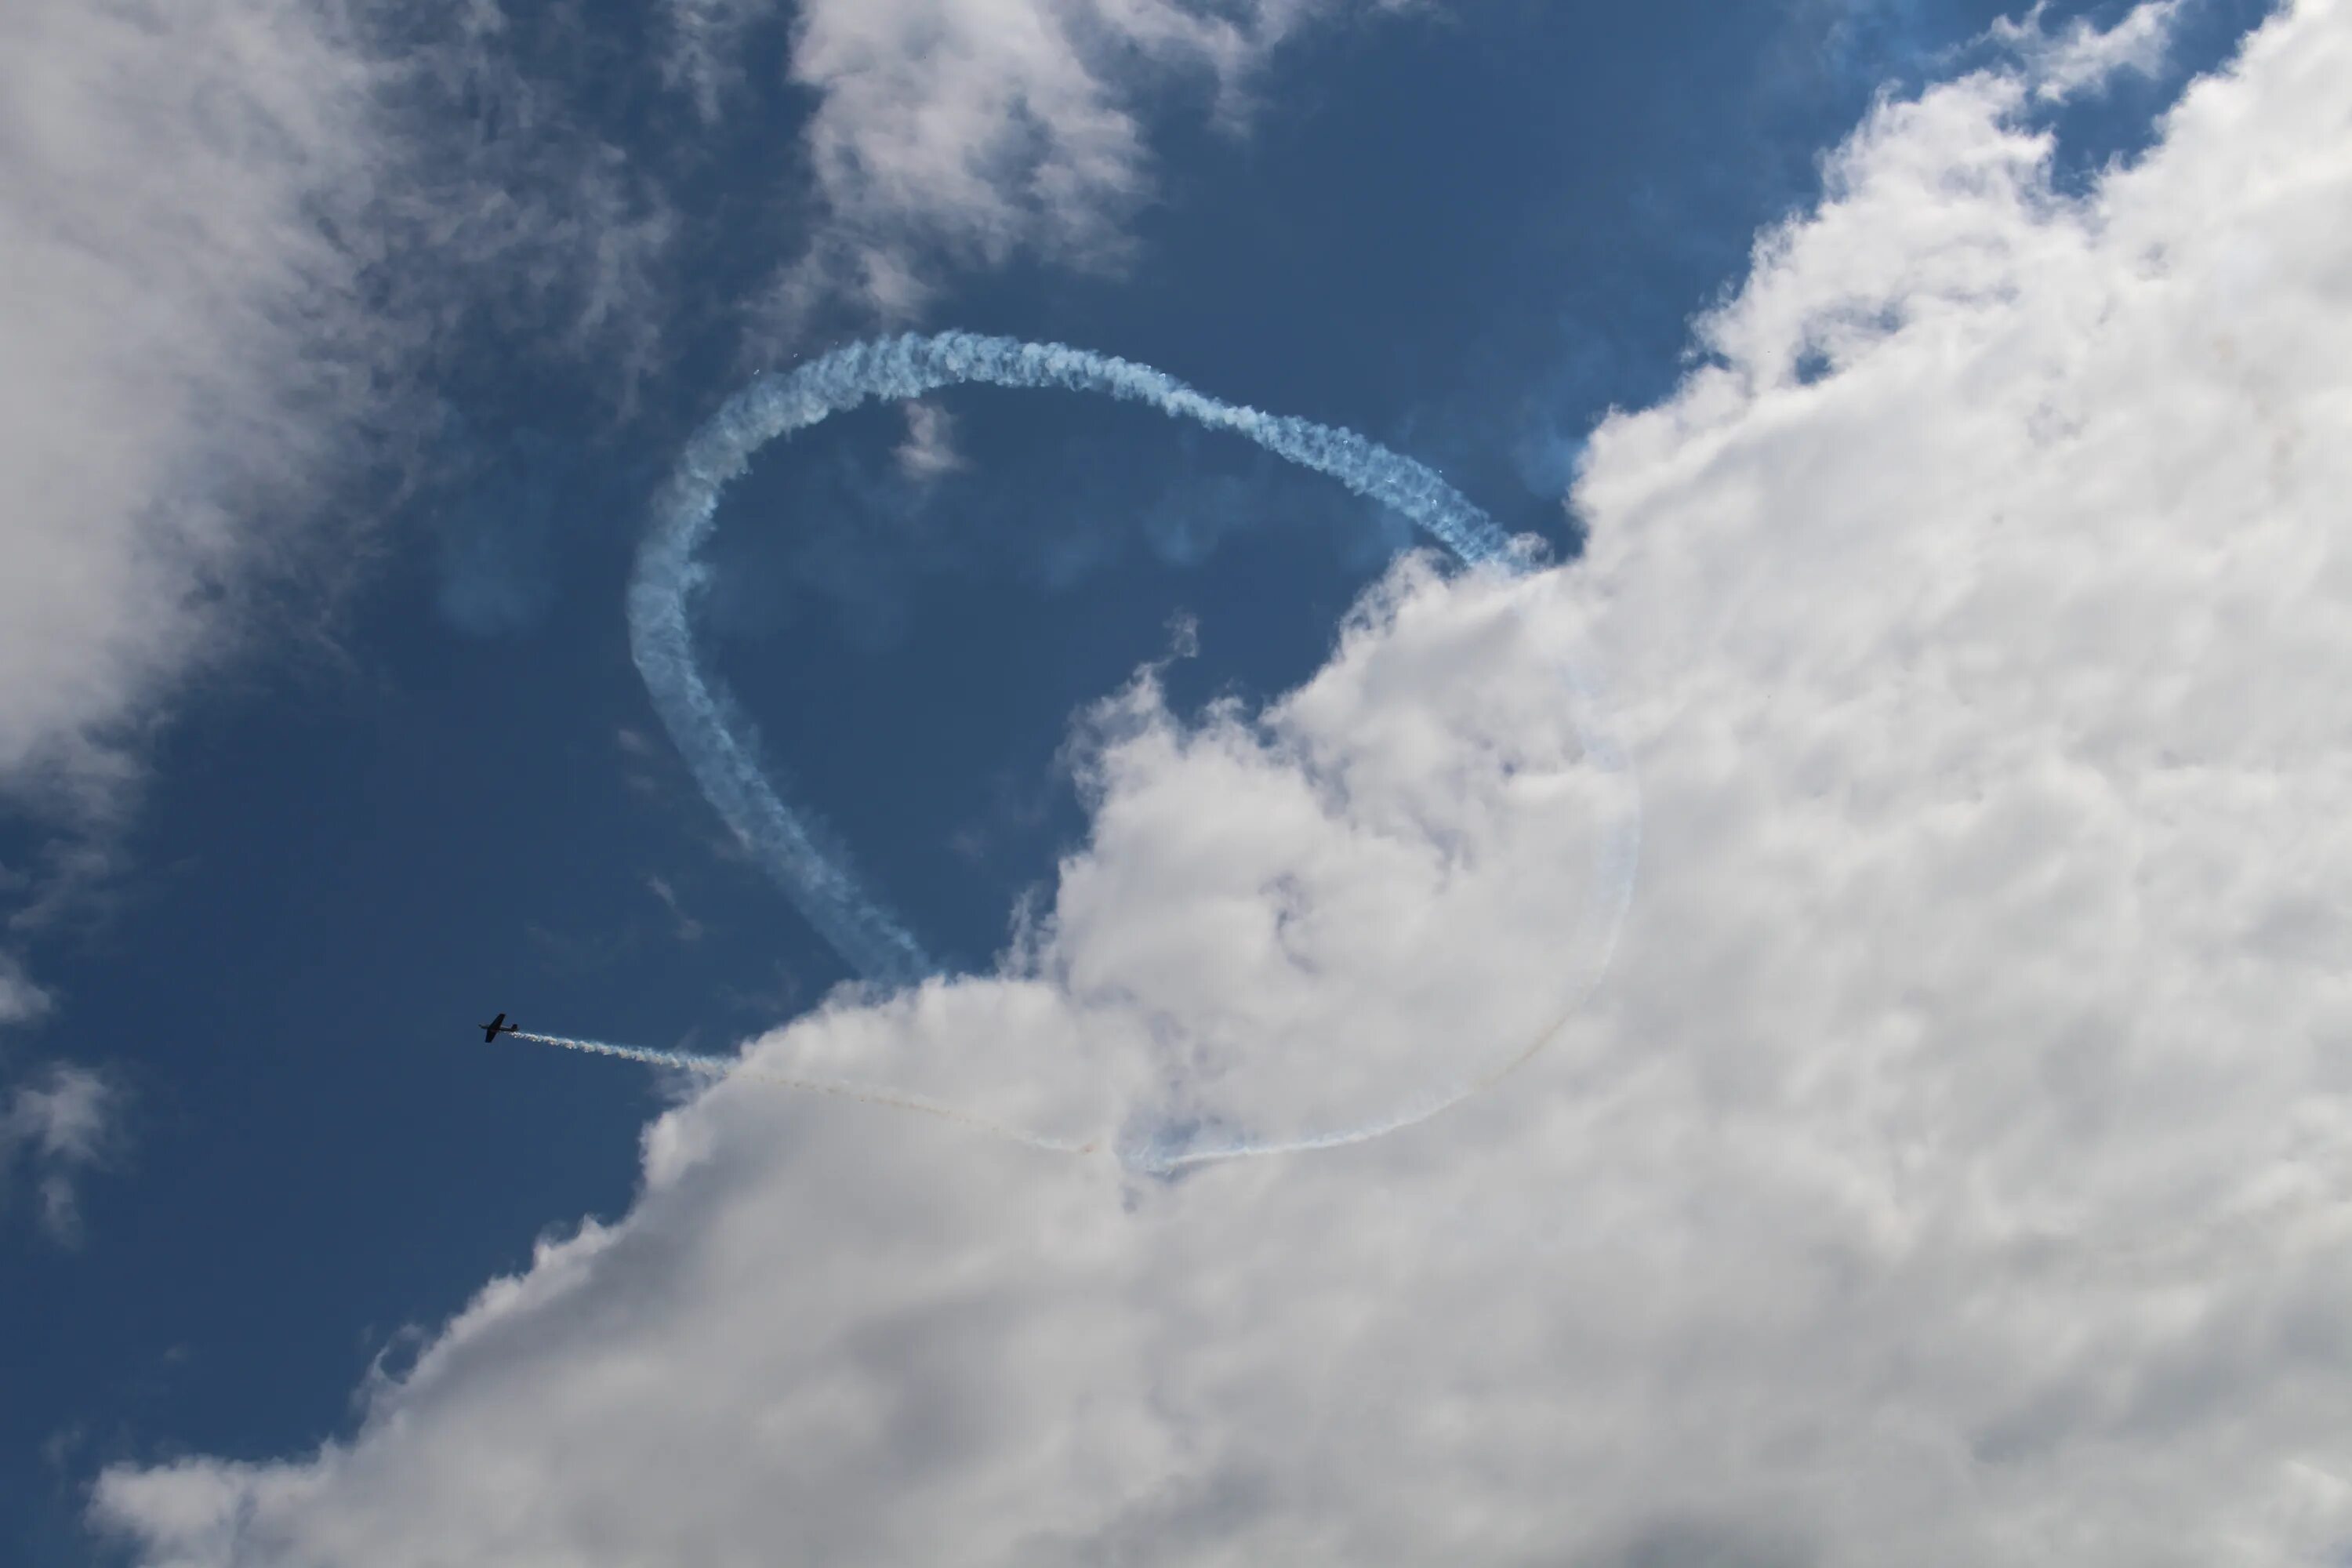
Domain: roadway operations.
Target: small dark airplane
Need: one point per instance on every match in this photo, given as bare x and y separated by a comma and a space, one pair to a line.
495, 1027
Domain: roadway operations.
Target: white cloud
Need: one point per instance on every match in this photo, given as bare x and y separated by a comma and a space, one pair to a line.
209, 213
204, 209
967, 131
21, 1001
1952, 1171
161, 278
60, 1123
929, 450
2083, 56
231, 232
705, 49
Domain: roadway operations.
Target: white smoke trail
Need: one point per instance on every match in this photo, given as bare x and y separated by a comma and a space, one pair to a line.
819, 877
728, 1067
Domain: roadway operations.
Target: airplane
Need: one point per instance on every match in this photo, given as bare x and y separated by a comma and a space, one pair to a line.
495, 1027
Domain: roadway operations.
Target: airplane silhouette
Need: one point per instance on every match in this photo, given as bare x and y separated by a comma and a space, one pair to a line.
495, 1027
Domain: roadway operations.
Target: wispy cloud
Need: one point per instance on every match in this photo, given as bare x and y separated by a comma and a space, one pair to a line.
2083, 56
57, 1125
236, 239
928, 448
21, 1001
683, 926
962, 133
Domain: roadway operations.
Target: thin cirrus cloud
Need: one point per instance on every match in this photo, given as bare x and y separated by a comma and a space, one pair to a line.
1952, 1171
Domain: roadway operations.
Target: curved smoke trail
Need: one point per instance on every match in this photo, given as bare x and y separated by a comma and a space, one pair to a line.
819, 877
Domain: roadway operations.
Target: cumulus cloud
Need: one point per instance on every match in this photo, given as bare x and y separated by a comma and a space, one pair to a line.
1952, 1171
58, 1124
970, 131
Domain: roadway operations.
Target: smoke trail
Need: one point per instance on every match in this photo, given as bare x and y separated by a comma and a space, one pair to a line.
820, 876
728, 1067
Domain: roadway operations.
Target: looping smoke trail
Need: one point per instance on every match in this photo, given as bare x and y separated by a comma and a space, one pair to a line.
819, 877
726, 1067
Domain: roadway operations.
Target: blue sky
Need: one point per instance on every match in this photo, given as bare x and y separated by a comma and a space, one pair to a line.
425, 783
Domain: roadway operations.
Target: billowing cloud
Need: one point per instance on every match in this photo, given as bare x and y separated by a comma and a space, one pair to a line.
1952, 1170
970, 131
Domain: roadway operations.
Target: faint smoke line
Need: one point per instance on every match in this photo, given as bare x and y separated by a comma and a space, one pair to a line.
728, 1067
